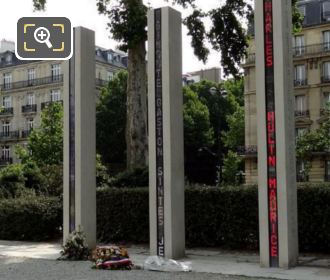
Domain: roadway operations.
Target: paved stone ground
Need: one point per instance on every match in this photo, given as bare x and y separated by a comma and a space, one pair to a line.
33, 269
29, 260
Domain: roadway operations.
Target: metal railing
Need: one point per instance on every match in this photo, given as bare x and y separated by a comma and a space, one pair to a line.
32, 83
29, 108
7, 111
325, 79
5, 161
247, 150
45, 104
300, 82
101, 83
302, 113
323, 48
26, 133
8, 135
43, 81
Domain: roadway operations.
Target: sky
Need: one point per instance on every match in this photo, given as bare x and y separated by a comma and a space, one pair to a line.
84, 13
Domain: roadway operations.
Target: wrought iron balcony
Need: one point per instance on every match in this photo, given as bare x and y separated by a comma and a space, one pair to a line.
29, 108
101, 83
247, 150
5, 161
45, 104
32, 83
325, 79
26, 133
322, 48
9, 135
300, 82
315, 49
302, 113
6, 111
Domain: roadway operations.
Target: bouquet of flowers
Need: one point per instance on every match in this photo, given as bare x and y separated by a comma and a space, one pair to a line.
111, 258
75, 248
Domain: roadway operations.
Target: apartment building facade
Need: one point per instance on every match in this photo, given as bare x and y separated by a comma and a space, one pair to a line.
211, 74
26, 87
311, 57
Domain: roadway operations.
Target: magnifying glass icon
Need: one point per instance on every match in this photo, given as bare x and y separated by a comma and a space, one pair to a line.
42, 35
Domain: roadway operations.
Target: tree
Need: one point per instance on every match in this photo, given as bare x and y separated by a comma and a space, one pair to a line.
197, 128
235, 136
42, 159
45, 144
198, 139
236, 88
316, 140
219, 106
231, 168
127, 24
111, 120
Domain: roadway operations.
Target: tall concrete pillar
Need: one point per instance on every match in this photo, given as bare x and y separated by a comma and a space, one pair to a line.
166, 158
276, 140
79, 173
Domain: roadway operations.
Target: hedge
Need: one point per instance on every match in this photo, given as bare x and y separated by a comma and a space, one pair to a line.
219, 217
30, 218
123, 215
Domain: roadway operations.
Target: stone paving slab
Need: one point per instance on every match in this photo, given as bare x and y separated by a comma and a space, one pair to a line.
40, 269
214, 261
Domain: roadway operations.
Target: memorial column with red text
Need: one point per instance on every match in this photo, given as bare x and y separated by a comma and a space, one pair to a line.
276, 140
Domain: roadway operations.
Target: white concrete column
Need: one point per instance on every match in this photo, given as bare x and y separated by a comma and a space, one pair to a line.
276, 140
166, 157
79, 174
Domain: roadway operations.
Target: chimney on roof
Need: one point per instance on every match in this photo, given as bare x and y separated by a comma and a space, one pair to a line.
7, 45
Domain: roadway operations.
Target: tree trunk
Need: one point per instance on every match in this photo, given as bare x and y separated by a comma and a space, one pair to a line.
136, 128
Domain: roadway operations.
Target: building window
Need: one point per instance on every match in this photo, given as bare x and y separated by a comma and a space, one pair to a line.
302, 10
31, 75
302, 172
30, 99
5, 154
9, 58
110, 57
326, 40
326, 99
5, 128
7, 80
327, 171
326, 11
300, 131
56, 72
326, 72
109, 76
6, 102
299, 45
55, 95
300, 75
30, 124
300, 103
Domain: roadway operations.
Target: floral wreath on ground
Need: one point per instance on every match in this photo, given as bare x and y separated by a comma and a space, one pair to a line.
111, 258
